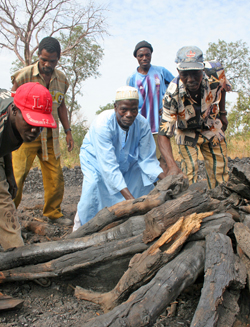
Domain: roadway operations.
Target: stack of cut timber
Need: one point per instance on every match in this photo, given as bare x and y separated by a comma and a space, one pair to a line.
155, 247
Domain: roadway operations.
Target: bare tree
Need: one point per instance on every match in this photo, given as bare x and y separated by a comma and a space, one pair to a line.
25, 22
78, 64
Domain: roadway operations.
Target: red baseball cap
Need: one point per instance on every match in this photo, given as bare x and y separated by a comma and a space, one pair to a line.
35, 103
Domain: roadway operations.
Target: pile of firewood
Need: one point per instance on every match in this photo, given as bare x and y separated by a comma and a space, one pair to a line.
166, 240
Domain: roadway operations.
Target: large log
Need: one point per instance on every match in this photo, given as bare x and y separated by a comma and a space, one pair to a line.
104, 253
145, 305
225, 276
120, 210
58, 258
143, 267
242, 234
163, 190
160, 218
43, 252
239, 181
220, 223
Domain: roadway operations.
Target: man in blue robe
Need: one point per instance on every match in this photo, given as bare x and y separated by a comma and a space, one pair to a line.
117, 157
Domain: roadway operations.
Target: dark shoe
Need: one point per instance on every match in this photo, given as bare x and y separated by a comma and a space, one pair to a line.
62, 221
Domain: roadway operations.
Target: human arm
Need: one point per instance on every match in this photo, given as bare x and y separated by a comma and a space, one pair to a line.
222, 110
126, 194
63, 116
167, 153
10, 175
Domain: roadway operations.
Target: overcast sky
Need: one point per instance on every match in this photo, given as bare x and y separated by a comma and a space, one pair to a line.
167, 25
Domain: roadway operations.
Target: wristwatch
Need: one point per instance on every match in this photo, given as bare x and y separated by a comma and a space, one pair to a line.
67, 130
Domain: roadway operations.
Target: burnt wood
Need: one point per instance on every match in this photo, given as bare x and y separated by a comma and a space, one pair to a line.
165, 189
143, 267
145, 305
159, 219
223, 272
43, 252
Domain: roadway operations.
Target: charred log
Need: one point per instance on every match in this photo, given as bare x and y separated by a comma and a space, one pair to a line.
103, 253
165, 189
143, 267
225, 276
220, 223
38, 253
148, 302
160, 218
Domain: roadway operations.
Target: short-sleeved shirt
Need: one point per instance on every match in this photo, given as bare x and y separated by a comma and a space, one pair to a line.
187, 119
151, 88
58, 87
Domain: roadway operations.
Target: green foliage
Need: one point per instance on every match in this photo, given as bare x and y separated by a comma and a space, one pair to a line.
25, 23
79, 130
235, 58
17, 64
78, 64
239, 117
106, 107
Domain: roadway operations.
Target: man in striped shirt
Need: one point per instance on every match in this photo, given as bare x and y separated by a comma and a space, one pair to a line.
151, 82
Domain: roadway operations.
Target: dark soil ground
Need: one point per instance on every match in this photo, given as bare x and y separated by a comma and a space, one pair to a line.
55, 305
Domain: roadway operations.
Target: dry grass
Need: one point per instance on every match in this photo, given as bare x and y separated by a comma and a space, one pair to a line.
236, 147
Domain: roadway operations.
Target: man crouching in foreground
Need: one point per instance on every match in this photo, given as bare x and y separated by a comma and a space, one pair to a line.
118, 157
22, 119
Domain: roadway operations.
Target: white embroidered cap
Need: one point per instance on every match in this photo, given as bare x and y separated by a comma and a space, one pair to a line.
126, 93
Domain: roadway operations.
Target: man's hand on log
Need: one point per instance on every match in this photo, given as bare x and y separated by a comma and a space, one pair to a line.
175, 170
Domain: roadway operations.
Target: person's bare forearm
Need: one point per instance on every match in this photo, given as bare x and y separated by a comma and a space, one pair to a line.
161, 176
63, 116
222, 110
222, 103
166, 150
167, 153
126, 194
